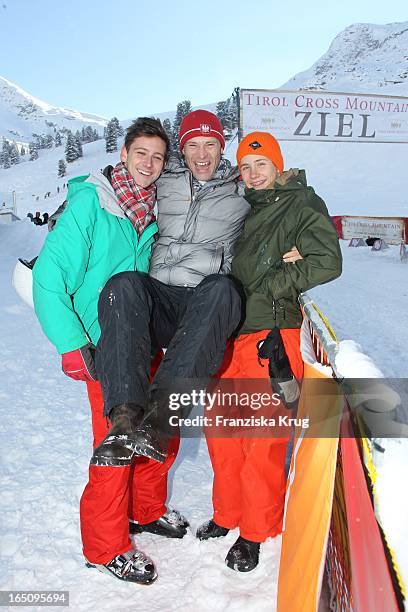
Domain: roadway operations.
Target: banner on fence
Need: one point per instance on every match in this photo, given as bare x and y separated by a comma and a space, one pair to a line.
324, 115
308, 503
392, 230
371, 580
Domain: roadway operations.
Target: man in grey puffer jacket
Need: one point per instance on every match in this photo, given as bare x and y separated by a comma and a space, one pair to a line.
199, 221
187, 304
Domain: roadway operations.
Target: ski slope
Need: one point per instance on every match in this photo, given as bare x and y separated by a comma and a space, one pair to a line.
45, 427
44, 455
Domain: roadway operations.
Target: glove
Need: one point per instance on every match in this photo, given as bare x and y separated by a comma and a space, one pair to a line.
282, 379
80, 364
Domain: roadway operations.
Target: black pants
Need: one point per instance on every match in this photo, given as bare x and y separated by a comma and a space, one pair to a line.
138, 314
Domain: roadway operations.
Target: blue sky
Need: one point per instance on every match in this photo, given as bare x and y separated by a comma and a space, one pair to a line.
135, 57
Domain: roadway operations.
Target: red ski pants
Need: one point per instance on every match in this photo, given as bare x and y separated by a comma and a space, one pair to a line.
249, 473
114, 495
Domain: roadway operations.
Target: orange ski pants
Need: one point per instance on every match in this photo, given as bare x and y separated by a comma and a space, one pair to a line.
249, 473
114, 495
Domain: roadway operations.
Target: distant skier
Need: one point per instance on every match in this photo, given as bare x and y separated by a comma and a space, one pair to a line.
37, 219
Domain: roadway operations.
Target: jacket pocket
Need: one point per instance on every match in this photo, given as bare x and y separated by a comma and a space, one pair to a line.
202, 258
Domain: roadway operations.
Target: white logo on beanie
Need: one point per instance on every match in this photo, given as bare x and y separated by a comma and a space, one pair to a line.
255, 145
205, 128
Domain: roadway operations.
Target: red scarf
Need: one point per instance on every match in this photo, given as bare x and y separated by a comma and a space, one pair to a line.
136, 202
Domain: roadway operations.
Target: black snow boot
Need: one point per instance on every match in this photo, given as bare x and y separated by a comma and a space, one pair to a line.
243, 556
127, 438
171, 525
131, 566
210, 529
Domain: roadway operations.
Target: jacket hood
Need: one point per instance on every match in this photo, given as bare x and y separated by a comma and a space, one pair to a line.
290, 180
106, 194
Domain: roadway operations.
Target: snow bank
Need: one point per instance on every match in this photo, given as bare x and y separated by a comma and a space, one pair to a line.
21, 239
352, 363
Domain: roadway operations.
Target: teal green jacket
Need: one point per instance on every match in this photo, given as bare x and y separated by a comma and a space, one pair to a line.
92, 241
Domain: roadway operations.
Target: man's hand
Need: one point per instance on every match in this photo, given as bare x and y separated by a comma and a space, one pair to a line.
292, 256
80, 364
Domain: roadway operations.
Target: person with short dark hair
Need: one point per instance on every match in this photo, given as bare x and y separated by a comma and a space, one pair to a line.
108, 226
146, 126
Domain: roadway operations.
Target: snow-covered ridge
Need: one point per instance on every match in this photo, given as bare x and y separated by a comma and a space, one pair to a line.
362, 58
22, 114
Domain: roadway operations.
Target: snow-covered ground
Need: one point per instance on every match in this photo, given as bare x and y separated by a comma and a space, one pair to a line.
44, 455
368, 303
45, 427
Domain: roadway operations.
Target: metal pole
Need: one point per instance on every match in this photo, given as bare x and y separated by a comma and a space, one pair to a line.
14, 203
237, 93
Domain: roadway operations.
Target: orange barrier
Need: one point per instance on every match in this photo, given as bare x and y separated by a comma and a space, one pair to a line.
308, 507
329, 517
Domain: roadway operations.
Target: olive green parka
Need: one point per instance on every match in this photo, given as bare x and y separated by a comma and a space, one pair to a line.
287, 214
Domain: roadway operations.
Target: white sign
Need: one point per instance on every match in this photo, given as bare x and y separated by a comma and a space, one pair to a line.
391, 230
324, 115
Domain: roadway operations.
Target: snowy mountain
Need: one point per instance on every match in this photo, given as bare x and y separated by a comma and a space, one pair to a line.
22, 115
362, 58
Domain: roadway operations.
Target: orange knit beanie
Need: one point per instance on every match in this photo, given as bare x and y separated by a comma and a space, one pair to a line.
261, 143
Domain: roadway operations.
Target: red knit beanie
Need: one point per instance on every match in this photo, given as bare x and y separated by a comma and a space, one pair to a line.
261, 143
200, 123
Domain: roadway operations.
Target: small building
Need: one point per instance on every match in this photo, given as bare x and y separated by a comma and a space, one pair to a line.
7, 215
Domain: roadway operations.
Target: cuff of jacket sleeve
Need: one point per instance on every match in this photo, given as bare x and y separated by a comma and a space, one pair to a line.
74, 343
